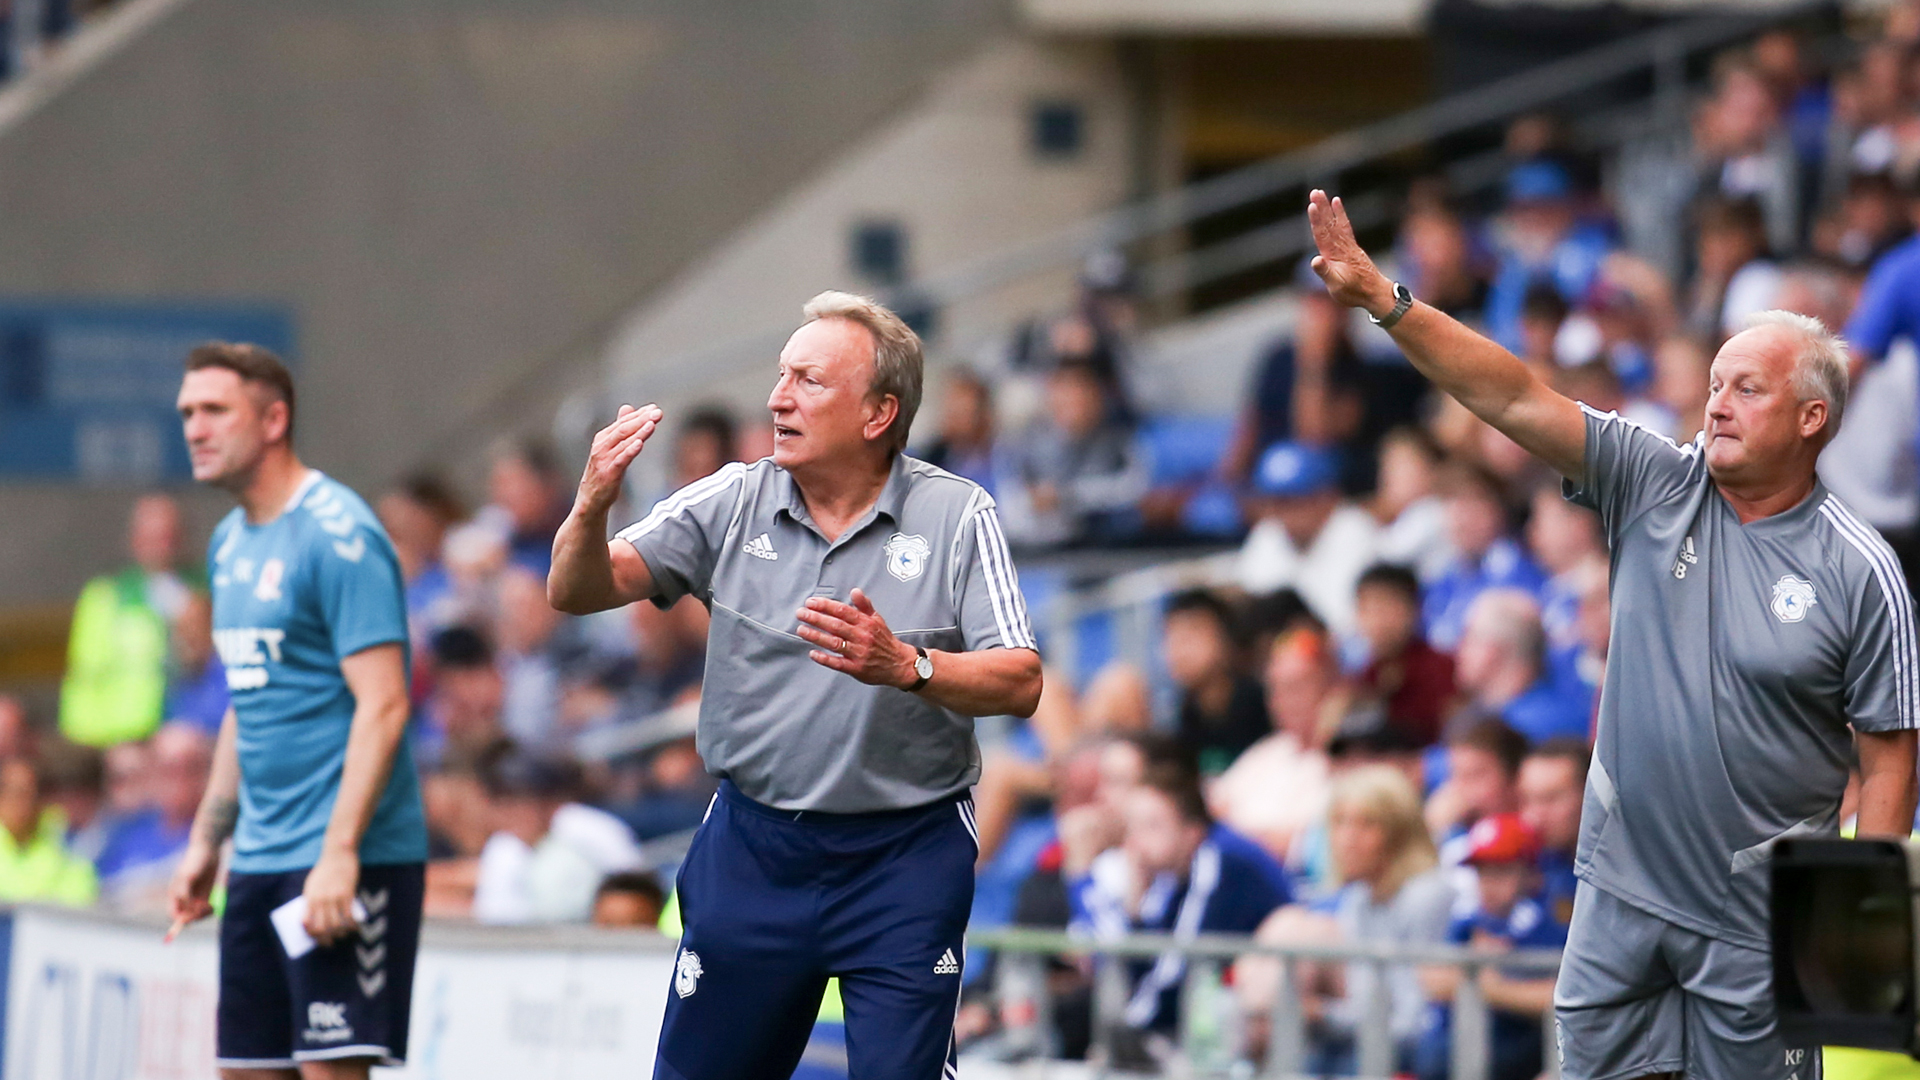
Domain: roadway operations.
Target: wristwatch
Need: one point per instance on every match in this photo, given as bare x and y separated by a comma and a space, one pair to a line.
923, 667
1402, 300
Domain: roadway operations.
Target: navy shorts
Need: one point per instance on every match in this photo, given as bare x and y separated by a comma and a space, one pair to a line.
345, 1000
775, 902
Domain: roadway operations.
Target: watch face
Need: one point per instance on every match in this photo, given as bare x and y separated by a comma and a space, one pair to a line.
923, 666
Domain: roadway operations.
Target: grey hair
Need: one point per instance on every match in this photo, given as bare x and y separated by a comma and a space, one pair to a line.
899, 363
1820, 369
1512, 617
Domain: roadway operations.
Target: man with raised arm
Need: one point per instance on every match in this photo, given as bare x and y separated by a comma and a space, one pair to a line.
865, 610
1762, 637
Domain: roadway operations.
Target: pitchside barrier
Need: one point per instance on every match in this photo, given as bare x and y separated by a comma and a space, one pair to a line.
92, 996
1209, 1039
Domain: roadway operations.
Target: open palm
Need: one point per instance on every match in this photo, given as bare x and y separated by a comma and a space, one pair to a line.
1351, 277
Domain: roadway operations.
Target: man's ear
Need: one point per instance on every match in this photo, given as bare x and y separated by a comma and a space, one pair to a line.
1813, 418
276, 418
884, 413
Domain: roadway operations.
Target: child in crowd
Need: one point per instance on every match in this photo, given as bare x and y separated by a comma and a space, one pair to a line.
1511, 914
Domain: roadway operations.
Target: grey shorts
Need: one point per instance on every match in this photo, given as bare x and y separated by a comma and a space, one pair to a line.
1639, 995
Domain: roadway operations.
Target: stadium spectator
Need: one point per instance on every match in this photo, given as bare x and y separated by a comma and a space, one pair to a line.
1511, 913
1870, 221
1306, 536
1391, 893
418, 514
1501, 669
129, 767
35, 864
1412, 681
1735, 277
526, 628
1305, 388
1539, 239
964, 443
528, 501
675, 793
1178, 872
197, 681
1411, 515
670, 656
1278, 786
1222, 709
1679, 387
1747, 152
631, 899
454, 799
1561, 537
1551, 787
75, 781
708, 438
464, 714
117, 653
1485, 555
1482, 763
548, 853
140, 853
1075, 476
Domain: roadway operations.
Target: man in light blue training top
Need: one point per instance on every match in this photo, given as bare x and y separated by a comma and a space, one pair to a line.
1763, 638
311, 774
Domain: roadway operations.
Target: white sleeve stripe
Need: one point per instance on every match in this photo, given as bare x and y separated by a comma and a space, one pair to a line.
1899, 604
683, 500
1900, 609
1021, 623
1893, 587
1021, 620
1002, 611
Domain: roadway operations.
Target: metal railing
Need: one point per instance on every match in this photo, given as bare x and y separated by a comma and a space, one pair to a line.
1021, 991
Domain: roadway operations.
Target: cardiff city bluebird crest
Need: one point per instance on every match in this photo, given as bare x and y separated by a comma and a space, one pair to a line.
1792, 597
907, 556
686, 973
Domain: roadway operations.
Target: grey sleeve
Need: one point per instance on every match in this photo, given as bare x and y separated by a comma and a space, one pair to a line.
1628, 468
986, 591
1881, 684
680, 540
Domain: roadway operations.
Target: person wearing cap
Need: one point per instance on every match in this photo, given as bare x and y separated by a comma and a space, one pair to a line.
864, 610
1511, 913
1306, 536
1540, 239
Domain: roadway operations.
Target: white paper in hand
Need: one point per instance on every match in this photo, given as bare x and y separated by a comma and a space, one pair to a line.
288, 920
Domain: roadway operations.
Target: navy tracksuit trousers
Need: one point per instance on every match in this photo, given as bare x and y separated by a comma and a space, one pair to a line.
775, 902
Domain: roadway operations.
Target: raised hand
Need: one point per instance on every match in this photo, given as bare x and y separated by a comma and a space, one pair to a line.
1351, 277
614, 448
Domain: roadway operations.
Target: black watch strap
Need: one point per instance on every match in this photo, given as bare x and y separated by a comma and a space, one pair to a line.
922, 680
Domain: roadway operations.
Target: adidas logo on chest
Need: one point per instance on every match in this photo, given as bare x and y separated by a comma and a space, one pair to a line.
761, 547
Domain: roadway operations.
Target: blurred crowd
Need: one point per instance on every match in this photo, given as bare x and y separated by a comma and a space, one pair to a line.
1373, 728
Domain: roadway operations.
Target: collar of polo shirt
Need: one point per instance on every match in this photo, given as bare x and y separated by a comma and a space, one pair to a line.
892, 501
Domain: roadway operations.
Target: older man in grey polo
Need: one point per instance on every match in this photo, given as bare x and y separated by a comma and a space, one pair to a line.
864, 611
1762, 636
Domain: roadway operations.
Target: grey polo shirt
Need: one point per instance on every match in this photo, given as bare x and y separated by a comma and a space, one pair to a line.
1739, 656
787, 731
